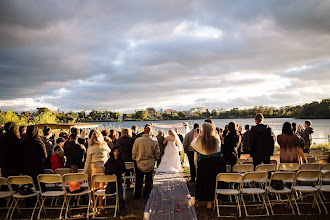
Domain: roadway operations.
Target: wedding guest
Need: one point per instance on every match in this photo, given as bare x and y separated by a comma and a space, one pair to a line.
145, 153
289, 144
306, 134
134, 131
126, 142
74, 152
64, 135
190, 151
160, 138
34, 153
179, 135
114, 136
246, 140
48, 133
300, 147
209, 162
22, 130
57, 160
10, 151
107, 139
262, 141
231, 145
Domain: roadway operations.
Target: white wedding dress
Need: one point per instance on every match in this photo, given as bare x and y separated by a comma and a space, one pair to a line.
170, 161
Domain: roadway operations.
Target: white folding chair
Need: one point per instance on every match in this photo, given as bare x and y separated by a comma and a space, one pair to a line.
307, 177
241, 160
242, 168
288, 177
255, 177
310, 166
325, 167
277, 158
266, 168
130, 177
311, 159
62, 171
5, 195
324, 186
290, 167
22, 180
76, 177
48, 171
51, 179
228, 178
101, 178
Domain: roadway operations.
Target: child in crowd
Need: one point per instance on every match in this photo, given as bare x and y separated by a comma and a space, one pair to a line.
57, 160
75, 187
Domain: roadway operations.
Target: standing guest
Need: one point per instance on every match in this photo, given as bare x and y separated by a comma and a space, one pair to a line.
300, 147
80, 139
57, 159
74, 152
10, 151
306, 134
160, 138
107, 139
114, 136
142, 133
48, 133
209, 162
126, 142
60, 142
97, 154
240, 148
84, 135
115, 165
246, 140
2, 130
64, 135
145, 153
190, 151
22, 130
179, 135
218, 130
134, 131
262, 141
289, 144
231, 145
224, 133
294, 127
34, 153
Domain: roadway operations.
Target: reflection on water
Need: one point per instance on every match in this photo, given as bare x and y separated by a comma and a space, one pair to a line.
321, 126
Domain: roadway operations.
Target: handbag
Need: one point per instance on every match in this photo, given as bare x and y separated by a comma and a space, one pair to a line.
24, 190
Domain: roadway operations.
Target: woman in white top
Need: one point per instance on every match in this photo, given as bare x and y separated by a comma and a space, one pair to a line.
170, 162
97, 155
209, 161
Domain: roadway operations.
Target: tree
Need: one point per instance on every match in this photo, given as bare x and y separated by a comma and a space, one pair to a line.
45, 117
9, 116
141, 115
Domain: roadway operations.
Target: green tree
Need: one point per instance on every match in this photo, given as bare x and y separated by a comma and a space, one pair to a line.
45, 117
141, 115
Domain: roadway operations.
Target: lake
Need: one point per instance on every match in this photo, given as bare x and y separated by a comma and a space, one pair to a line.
320, 135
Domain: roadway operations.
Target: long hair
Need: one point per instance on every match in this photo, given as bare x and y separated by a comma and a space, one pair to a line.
208, 138
178, 141
12, 128
287, 128
126, 132
96, 139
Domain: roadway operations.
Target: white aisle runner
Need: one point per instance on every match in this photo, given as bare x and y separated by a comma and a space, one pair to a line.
169, 199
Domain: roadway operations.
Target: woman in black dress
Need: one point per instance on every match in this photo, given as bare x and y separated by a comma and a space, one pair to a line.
231, 144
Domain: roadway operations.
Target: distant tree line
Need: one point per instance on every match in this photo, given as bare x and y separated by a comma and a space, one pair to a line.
44, 115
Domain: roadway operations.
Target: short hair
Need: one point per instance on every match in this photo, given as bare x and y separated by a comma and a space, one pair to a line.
57, 147
308, 122
147, 130
73, 169
46, 130
105, 132
134, 127
287, 128
259, 118
160, 132
91, 133
74, 136
74, 130
147, 125
196, 125
64, 135
247, 127
60, 140
126, 132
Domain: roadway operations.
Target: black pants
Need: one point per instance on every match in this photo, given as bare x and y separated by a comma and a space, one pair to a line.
190, 155
266, 160
139, 182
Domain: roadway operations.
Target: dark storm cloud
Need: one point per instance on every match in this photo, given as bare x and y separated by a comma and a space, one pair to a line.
76, 55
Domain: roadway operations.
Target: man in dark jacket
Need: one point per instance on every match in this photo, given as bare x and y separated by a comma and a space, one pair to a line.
48, 133
306, 134
246, 140
262, 142
160, 138
74, 152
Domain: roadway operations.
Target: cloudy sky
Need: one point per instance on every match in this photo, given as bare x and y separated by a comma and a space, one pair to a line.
128, 55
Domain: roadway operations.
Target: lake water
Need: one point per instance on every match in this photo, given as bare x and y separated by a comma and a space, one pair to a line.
320, 135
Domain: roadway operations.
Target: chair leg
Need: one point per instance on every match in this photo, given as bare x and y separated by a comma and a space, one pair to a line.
264, 202
246, 213
295, 201
42, 205
270, 205
35, 206
67, 206
11, 215
60, 217
315, 199
325, 208
290, 202
239, 205
11, 204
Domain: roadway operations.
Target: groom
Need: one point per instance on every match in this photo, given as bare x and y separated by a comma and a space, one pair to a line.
145, 152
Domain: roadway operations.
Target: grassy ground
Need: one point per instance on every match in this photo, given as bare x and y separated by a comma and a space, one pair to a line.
135, 209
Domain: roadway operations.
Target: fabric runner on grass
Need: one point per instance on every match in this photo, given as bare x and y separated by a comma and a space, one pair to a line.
170, 199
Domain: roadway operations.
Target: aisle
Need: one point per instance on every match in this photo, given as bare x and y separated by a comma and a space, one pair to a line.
169, 199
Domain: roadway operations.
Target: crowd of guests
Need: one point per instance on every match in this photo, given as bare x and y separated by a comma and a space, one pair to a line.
23, 151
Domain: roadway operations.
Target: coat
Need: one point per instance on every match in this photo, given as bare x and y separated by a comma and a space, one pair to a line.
126, 144
74, 153
10, 154
262, 141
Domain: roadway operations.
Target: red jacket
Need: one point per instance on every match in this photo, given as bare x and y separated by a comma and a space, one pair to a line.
56, 162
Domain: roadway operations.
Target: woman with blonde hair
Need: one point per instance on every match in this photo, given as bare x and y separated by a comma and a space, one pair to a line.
209, 162
97, 155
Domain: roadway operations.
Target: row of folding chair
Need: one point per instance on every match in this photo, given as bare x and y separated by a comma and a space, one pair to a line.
56, 179
297, 186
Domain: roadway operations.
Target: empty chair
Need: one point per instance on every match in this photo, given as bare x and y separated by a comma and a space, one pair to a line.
277, 158
101, 178
288, 177
289, 167
326, 153
310, 166
228, 178
255, 177
62, 171
315, 152
325, 167
242, 168
240, 160
76, 177
302, 179
5, 195
324, 186
311, 159
322, 159
48, 171
22, 180
245, 156
51, 179
266, 168
131, 177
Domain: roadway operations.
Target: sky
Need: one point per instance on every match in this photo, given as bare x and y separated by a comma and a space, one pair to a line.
177, 54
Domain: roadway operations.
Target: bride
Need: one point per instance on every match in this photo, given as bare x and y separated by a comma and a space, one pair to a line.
170, 161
